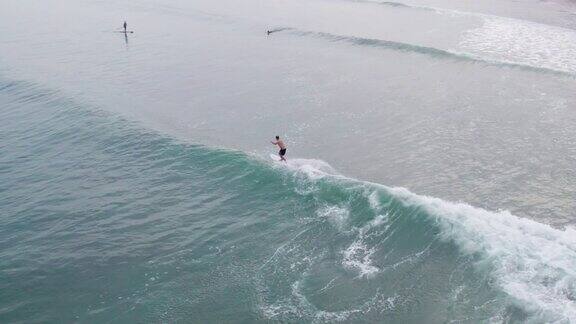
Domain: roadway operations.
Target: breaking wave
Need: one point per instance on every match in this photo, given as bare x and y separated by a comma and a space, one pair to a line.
387, 232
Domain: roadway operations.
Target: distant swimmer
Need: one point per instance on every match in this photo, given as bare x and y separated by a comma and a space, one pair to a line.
282, 147
125, 26
268, 32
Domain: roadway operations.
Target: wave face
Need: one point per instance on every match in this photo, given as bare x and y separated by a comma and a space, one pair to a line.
474, 53
104, 221
499, 41
403, 245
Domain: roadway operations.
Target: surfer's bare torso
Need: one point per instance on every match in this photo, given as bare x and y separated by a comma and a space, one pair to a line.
280, 144
282, 147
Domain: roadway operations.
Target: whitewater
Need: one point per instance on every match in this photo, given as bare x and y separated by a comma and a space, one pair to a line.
531, 262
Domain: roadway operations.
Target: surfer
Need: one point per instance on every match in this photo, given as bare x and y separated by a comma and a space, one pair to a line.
282, 147
125, 26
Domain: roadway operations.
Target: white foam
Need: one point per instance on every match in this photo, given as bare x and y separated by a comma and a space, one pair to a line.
374, 223
374, 200
533, 263
337, 216
313, 168
359, 257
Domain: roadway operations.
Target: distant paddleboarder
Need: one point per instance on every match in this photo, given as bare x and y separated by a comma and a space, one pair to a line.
282, 147
125, 26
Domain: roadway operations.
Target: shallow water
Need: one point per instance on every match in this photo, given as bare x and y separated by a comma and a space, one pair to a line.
136, 184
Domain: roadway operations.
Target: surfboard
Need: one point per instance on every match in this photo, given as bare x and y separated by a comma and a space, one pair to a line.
275, 158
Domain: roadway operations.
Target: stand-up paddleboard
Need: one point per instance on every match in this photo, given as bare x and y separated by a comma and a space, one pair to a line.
125, 32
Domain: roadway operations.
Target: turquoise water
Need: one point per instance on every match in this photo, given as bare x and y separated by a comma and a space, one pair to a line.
104, 221
429, 177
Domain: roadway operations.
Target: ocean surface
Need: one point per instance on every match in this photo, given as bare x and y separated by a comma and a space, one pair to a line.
430, 175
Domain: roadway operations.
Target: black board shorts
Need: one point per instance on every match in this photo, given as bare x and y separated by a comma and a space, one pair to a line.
282, 152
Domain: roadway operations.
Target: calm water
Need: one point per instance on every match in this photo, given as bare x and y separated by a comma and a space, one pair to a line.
136, 183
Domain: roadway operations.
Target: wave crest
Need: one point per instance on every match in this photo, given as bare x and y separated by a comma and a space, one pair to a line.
533, 264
